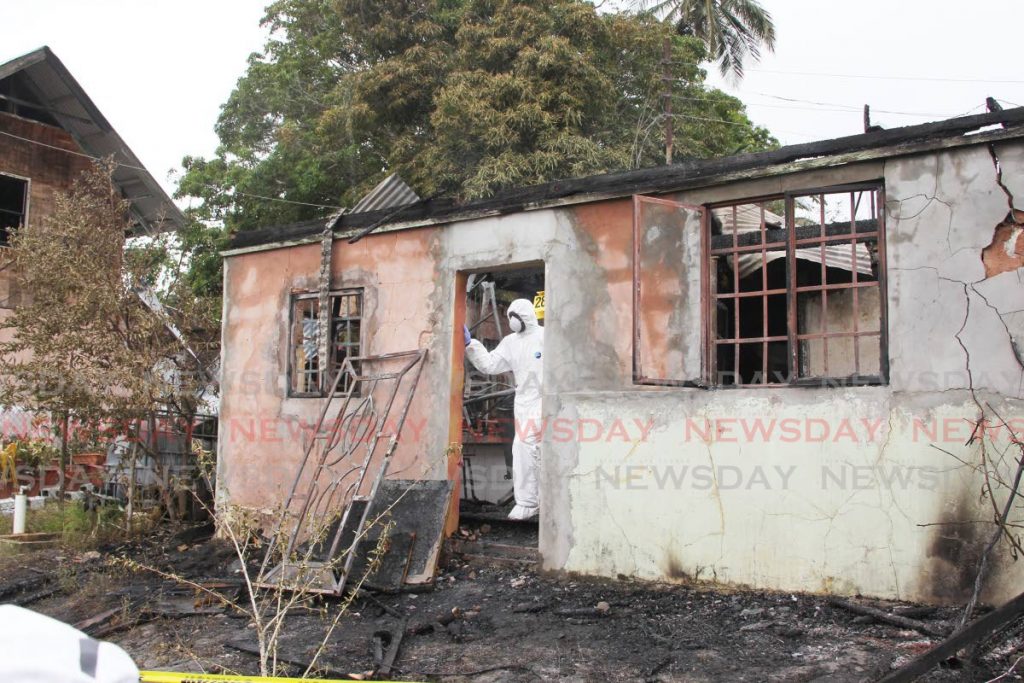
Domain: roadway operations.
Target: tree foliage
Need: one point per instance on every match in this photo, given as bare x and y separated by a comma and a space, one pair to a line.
731, 30
460, 97
91, 338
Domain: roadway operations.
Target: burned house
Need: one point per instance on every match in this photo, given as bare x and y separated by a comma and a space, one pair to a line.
765, 370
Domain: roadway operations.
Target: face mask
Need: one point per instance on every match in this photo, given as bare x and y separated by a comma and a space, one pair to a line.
515, 323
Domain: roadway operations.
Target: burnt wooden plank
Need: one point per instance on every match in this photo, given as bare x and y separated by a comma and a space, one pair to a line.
394, 643
977, 630
99, 619
886, 617
419, 508
393, 567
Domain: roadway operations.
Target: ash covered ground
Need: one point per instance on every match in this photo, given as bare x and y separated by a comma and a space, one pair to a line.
481, 622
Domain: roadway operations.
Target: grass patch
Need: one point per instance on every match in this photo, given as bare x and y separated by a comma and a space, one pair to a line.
78, 527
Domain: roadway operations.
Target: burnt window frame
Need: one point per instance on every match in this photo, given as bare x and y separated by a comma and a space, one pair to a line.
852, 237
294, 300
5, 233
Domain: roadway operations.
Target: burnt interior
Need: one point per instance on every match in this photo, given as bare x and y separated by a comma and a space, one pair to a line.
487, 409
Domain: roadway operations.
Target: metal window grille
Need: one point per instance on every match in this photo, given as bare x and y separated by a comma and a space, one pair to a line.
797, 289
306, 370
346, 332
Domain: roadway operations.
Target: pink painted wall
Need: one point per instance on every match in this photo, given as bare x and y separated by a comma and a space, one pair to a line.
261, 427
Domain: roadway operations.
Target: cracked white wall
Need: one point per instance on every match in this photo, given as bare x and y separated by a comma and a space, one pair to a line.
866, 509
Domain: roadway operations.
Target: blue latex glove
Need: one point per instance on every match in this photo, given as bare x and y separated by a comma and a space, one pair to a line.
465, 335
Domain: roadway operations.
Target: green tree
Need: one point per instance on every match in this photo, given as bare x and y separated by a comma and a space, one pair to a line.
461, 97
91, 341
732, 30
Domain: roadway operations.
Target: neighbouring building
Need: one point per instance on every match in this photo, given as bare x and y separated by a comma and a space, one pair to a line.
49, 132
764, 370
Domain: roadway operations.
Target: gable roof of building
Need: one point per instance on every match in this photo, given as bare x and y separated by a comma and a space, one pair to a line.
56, 92
965, 130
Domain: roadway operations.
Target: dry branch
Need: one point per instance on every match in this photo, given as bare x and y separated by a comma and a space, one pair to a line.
893, 619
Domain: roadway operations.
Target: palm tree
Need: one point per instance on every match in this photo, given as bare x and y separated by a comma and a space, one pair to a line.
732, 30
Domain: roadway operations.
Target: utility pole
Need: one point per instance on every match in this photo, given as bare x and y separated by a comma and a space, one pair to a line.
666, 78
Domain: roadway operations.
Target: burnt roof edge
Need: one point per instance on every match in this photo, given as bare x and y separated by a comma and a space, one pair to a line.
659, 179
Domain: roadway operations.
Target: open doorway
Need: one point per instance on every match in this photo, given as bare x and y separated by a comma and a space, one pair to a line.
488, 419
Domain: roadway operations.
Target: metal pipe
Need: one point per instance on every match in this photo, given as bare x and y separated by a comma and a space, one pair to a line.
484, 397
20, 511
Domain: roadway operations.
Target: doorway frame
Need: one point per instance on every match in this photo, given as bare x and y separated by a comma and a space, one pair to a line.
458, 375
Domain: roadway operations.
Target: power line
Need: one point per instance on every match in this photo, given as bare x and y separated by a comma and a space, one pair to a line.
847, 107
818, 106
816, 74
140, 168
68, 151
840, 108
735, 123
844, 108
971, 110
931, 79
277, 199
849, 110
330, 206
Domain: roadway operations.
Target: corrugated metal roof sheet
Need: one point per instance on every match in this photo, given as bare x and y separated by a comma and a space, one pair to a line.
391, 192
748, 219
57, 90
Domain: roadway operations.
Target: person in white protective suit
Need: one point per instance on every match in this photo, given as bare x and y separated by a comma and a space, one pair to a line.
37, 649
521, 353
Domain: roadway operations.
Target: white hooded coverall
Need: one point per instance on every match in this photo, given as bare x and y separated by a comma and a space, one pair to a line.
37, 649
522, 354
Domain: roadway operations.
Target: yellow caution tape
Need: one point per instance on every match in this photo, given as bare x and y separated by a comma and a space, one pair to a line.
538, 305
175, 677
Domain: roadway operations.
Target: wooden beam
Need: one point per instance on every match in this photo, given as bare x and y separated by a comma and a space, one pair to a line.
977, 630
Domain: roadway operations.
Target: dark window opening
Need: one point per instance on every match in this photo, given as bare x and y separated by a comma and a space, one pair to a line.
798, 289
346, 333
306, 377
16, 97
13, 206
